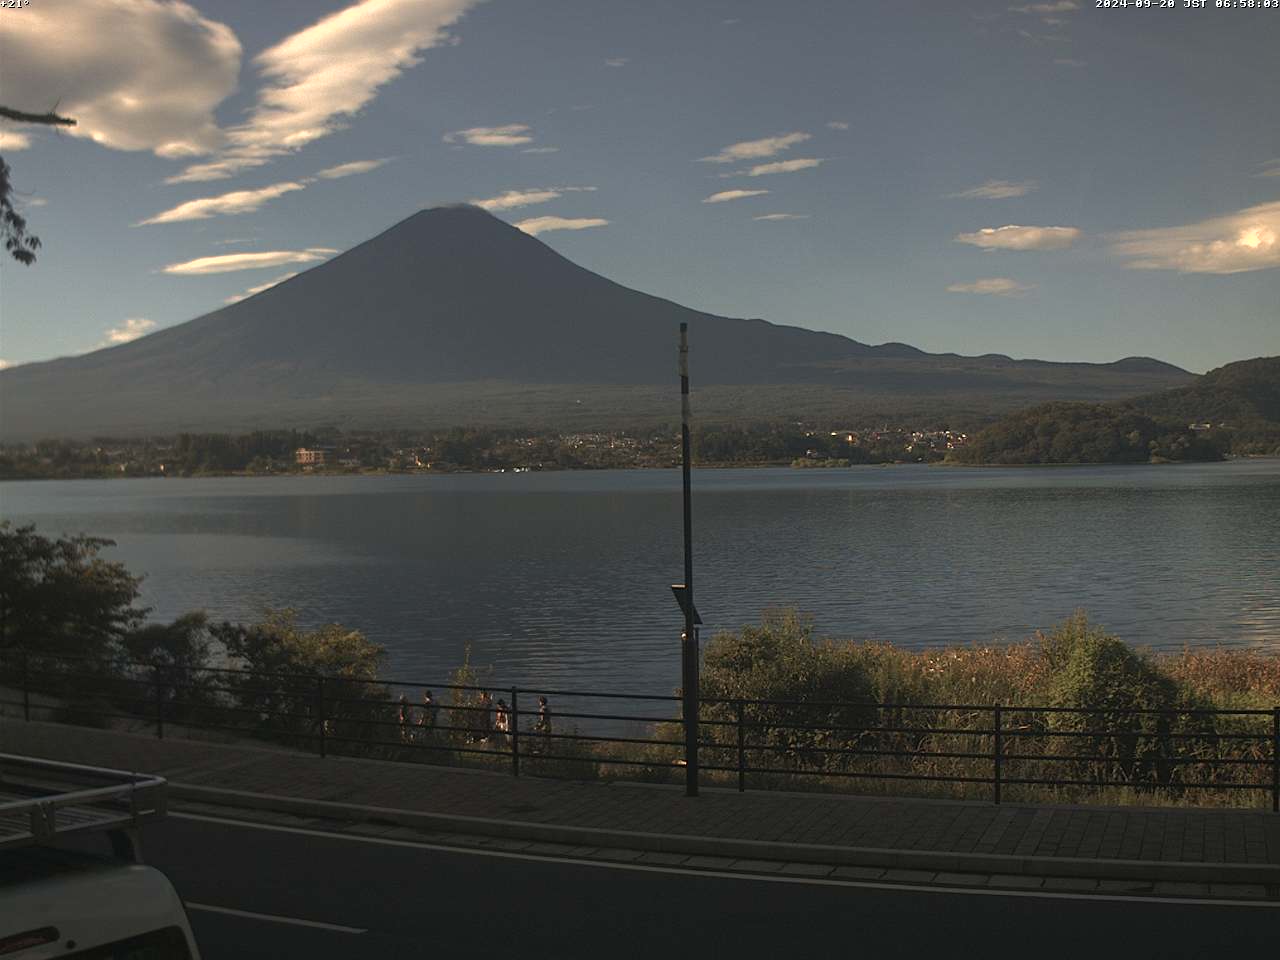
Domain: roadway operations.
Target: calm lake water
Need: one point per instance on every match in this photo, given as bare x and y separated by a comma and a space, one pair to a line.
561, 579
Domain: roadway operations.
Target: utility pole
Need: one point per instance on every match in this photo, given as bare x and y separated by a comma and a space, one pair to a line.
689, 640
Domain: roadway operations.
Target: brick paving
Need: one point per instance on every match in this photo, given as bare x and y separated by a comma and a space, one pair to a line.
1186, 835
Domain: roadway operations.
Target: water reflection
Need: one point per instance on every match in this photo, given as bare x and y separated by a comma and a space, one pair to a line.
561, 579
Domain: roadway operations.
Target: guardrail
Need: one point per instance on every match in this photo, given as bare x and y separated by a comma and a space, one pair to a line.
761, 743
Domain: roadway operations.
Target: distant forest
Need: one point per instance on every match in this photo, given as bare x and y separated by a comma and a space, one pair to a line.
1231, 410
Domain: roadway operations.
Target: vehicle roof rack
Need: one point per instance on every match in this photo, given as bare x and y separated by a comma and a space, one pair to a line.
41, 800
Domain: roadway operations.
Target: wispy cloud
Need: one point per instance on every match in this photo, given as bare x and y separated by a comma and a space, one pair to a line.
1270, 169
539, 225
782, 216
260, 287
1236, 243
617, 61
142, 75
540, 150
508, 135
131, 329
228, 262
837, 124
352, 168
725, 195
1014, 237
323, 74
237, 201
1048, 9
783, 166
996, 190
513, 199
991, 286
13, 141
757, 149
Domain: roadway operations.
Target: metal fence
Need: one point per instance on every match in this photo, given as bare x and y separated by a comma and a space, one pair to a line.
982, 749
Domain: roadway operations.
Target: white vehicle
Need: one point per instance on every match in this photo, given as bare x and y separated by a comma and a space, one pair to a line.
56, 901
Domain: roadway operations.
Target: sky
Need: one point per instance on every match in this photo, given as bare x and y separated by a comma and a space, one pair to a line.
1049, 180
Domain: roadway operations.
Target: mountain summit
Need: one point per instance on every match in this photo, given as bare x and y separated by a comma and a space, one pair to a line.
453, 316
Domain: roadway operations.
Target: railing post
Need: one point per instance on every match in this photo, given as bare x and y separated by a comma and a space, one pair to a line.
514, 718
742, 753
1275, 760
997, 751
155, 673
26, 686
324, 743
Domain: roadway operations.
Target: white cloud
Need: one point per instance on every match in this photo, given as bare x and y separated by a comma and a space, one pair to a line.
325, 73
1270, 169
512, 199
509, 135
540, 150
1043, 9
142, 75
617, 61
131, 329
782, 216
539, 225
36, 202
725, 195
837, 124
4, 363
994, 286
237, 201
757, 149
351, 169
13, 141
1014, 237
782, 166
997, 190
260, 287
1235, 243
227, 262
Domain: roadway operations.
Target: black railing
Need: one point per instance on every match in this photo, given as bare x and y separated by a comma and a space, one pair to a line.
985, 749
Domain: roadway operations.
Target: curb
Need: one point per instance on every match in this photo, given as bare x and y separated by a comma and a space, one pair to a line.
1268, 874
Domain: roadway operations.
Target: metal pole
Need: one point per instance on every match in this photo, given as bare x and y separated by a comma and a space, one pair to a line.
514, 718
742, 752
997, 752
324, 746
159, 705
689, 641
26, 685
1275, 760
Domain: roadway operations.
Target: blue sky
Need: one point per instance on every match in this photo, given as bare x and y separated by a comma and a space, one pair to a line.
1040, 179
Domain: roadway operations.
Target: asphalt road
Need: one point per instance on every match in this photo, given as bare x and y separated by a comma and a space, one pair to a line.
416, 901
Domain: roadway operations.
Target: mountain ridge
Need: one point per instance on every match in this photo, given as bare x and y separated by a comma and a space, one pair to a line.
452, 313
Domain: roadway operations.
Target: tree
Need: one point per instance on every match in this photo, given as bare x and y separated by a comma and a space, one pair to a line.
21, 245
60, 596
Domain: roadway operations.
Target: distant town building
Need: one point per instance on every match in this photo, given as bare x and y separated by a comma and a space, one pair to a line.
311, 456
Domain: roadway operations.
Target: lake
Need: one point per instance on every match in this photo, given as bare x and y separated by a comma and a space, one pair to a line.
562, 579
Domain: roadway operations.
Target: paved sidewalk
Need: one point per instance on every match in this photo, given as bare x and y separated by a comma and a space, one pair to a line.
961, 835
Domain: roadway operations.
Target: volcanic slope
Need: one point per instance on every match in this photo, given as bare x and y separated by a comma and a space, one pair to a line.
453, 316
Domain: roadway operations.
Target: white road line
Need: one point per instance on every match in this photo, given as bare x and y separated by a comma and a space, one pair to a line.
758, 877
272, 918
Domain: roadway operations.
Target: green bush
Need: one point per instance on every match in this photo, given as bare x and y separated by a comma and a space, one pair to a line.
1089, 670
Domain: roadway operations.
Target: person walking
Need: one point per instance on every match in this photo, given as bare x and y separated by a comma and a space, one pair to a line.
502, 723
430, 709
543, 727
486, 716
406, 719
